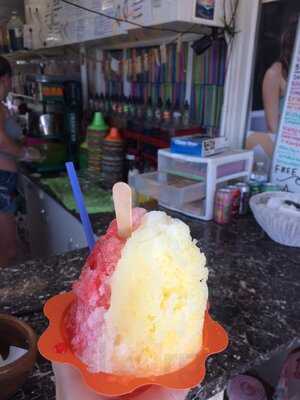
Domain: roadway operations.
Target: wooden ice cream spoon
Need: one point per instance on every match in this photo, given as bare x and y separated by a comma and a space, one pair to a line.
122, 198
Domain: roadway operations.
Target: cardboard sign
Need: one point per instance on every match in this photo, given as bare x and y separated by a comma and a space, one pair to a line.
286, 161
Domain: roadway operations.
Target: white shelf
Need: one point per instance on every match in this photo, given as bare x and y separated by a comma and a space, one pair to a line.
41, 54
22, 96
68, 25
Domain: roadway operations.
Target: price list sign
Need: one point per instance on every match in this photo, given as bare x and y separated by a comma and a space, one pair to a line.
286, 159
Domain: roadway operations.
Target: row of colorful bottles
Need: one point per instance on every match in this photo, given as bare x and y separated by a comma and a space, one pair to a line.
133, 113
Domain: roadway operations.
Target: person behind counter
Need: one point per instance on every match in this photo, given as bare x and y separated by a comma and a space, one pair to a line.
273, 92
275, 79
11, 151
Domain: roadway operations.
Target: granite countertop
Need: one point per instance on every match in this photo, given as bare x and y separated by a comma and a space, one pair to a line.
254, 287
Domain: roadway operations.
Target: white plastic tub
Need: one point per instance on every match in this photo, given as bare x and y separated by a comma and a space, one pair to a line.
172, 190
283, 226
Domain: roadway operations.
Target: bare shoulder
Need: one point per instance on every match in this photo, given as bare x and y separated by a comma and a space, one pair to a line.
274, 72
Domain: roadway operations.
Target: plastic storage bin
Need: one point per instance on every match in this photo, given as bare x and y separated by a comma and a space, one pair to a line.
169, 189
188, 184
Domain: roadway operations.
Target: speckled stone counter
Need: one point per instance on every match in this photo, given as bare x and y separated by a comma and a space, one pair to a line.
254, 287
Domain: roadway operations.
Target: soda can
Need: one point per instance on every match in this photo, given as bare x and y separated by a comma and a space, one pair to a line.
223, 206
245, 197
255, 188
236, 197
269, 187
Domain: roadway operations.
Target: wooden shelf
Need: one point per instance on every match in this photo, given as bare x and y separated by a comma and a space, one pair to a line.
158, 141
152, 140
146, 139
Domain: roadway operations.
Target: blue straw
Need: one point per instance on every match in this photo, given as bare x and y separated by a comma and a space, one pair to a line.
80, 205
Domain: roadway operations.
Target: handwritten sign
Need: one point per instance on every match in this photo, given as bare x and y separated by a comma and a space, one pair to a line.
286, 161
63, 23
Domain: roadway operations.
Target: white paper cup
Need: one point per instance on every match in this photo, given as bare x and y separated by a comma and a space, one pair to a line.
70, 386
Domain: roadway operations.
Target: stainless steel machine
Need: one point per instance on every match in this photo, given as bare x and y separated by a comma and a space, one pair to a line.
54, 119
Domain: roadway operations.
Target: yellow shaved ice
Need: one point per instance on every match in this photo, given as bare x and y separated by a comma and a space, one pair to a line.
158, 300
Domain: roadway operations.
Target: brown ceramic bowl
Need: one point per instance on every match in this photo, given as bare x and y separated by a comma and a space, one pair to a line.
15, 333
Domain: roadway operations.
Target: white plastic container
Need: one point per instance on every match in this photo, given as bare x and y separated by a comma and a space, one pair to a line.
280, 223
188, 184
70, 386
169, 189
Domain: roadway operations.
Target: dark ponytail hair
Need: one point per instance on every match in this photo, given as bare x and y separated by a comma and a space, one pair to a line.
5, 68
287, 45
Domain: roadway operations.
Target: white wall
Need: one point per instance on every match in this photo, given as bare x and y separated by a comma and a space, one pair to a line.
239, 73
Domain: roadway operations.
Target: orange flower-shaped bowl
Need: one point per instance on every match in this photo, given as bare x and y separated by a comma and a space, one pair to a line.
54, 345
